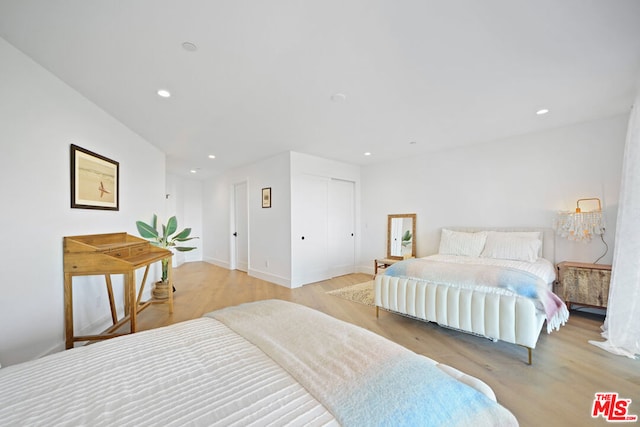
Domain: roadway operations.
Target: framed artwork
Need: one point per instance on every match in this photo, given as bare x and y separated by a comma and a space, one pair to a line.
266, 197
95, 180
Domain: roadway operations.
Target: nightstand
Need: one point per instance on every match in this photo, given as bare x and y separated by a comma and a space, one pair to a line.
383, 263
583, 284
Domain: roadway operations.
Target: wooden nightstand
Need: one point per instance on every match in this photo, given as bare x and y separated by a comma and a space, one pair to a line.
583, 283
383, 263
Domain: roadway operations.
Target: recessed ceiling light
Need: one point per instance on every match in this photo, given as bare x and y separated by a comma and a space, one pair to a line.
193, 171
338, 97
367, 153
542, 111
211, 156
164, 93
189, 47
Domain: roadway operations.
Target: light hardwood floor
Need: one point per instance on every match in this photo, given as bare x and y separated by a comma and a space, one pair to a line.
557, 390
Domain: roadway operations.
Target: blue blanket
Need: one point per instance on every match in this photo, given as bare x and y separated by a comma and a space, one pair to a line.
488, 278
362, 378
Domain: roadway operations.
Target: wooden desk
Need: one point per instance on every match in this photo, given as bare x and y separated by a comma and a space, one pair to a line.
107, 254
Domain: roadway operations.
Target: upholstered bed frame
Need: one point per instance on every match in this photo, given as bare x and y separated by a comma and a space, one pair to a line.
509, 318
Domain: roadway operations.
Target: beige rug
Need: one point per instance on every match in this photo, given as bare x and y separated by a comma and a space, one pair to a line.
361, 293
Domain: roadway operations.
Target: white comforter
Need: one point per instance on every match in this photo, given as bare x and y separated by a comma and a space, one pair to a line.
285, 364
541, 268
197, 373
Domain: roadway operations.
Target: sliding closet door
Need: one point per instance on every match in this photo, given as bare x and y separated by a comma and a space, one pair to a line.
323, 229
341, 217
309, 230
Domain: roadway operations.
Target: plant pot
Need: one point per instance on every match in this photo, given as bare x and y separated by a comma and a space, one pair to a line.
160, 290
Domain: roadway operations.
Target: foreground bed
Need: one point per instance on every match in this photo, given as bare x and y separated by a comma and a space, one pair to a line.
496, 284
265, 363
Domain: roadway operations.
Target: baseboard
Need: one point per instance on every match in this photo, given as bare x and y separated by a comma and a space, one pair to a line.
270, 277
218, 262
365, 269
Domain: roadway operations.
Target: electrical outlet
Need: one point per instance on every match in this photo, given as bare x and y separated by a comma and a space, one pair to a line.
266, 263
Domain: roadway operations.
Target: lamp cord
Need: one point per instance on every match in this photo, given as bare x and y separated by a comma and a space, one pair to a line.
606, 247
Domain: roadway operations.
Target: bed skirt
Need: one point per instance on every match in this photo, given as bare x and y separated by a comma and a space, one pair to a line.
509, 318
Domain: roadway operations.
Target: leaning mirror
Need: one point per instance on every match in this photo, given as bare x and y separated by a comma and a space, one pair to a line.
401, 236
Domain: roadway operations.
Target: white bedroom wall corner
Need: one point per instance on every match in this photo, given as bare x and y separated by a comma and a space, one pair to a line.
184, 199
43, 115
269, 230
268, 252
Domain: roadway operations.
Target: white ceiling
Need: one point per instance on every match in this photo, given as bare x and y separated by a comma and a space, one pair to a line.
440, 73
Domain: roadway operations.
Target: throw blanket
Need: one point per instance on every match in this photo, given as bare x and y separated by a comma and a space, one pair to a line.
362, 378
488, 278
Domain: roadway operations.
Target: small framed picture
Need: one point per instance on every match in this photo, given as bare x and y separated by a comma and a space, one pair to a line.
95, 180
266, 197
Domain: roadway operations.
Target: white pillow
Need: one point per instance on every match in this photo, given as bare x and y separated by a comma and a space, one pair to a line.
519, 246
461, 243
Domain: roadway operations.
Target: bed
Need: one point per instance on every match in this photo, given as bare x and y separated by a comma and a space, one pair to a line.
493, 283
264, 363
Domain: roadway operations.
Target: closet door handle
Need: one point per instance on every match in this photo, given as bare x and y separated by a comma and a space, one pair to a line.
235, 234
302, 237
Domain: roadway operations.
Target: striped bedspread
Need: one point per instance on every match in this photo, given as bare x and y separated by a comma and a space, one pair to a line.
269, 363
362, 378
196, 373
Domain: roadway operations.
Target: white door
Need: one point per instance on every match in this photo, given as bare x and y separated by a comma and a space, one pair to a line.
241, 229
341, 214
309, 237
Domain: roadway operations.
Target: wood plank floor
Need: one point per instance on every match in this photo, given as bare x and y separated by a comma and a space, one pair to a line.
557, 390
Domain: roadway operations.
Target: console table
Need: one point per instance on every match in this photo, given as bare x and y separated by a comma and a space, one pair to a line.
107, 254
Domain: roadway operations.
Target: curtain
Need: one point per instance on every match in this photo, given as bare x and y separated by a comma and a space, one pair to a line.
621, 327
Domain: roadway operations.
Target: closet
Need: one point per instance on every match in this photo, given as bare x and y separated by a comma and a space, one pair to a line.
322, 228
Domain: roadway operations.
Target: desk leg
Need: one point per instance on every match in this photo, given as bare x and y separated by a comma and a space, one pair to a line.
170, 287
68, 310
130, 286
112, 304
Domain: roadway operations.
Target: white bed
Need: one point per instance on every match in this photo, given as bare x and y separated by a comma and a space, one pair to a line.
442, 288
264, 363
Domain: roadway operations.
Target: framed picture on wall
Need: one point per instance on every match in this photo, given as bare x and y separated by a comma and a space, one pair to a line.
95, 180
266, 197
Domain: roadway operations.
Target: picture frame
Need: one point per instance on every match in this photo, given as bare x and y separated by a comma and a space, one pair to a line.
95, 180
266, 197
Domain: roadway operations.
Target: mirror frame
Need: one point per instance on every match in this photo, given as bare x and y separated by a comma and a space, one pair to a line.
413, 233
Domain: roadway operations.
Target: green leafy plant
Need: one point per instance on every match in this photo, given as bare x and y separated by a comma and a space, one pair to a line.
406, 238
168, 239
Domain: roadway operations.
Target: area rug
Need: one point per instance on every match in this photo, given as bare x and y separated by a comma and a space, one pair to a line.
361, 293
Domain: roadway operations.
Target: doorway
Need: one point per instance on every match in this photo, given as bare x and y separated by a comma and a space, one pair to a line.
240, 232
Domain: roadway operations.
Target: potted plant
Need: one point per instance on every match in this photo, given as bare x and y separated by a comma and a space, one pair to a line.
167, 240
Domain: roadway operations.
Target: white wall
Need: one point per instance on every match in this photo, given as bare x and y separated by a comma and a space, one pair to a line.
184, 200
520, 181
40, 117
269, 228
